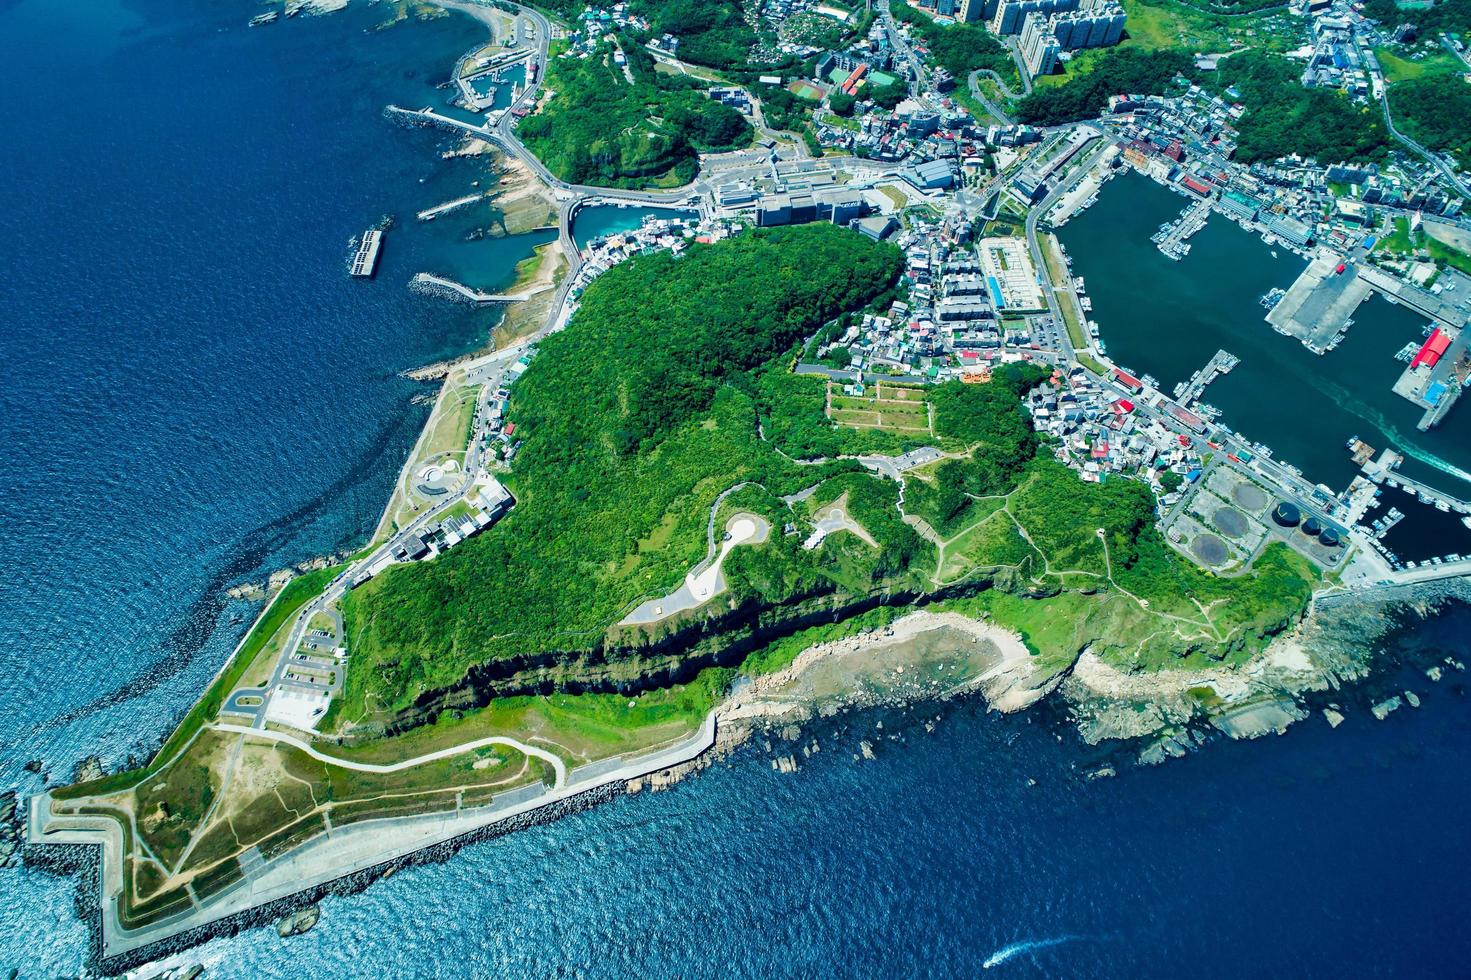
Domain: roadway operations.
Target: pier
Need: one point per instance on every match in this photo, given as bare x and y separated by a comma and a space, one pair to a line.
1436, 373
1173, 238
1436, 498
427, 280
1317, 309
365, 259
429, 214
1220, 363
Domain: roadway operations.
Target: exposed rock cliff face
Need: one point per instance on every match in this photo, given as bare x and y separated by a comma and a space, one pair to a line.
631, 659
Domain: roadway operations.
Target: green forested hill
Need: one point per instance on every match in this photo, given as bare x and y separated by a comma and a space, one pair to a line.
599, 129
632, 429
654, 401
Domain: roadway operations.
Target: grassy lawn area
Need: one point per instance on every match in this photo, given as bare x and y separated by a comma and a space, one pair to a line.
1156, 26
895, 195
1398, 240
1400, 69
266, 635
578, 727
450, 432
1443, 253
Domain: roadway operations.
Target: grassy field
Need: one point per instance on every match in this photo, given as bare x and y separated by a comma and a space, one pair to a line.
1400, 242
196, 811
1400, 69
889, 407
578, 727
262, 636
450, 432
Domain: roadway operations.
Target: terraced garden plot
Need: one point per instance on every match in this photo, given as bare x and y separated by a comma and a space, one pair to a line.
890, 407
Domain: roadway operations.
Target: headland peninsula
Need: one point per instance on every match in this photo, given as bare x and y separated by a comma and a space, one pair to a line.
831, 426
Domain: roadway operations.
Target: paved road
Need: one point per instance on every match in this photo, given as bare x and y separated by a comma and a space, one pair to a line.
1035, 247
554, 761
1434, 158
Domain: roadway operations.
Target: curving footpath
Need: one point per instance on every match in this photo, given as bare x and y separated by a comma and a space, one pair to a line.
343, 851
554, 761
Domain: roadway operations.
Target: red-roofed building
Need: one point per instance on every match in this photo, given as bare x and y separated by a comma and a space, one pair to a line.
1432, 350
1190, 183
1128, 381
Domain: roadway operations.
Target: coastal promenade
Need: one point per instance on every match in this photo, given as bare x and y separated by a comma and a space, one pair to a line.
340, 852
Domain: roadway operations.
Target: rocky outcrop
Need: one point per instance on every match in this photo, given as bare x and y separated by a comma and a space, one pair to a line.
1173, 710
629, 660
298, 922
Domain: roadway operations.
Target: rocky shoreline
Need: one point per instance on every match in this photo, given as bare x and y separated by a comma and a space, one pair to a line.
1144, 717
1338, 643
276, 581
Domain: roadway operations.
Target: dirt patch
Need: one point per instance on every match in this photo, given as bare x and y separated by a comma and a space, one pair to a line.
1210, 549
1249, 497
1230, 522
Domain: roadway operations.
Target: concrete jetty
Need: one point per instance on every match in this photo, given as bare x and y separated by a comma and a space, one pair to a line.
429, 214
1426, 492
1220, 363
1318, 307
1174, 239
431, 281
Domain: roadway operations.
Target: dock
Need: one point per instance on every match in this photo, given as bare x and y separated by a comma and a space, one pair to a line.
1220, 363
1436, 374
1319, 306
1173, 238
1437, 498
365, 259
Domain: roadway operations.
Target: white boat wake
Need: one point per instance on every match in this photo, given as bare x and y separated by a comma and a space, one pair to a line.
1026, 946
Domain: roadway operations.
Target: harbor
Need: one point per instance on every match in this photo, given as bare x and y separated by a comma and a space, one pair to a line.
1292, 406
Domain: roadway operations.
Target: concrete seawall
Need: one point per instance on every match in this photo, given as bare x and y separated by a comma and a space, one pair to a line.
340, 861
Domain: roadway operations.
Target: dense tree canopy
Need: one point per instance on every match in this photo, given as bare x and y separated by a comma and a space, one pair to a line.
958, 48
710, 32
598, 129
1117, 71
1283, 118
1448, 16
1435, 110
632, 427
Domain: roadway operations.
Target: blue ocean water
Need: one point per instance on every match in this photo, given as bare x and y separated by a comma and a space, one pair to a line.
192, 392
